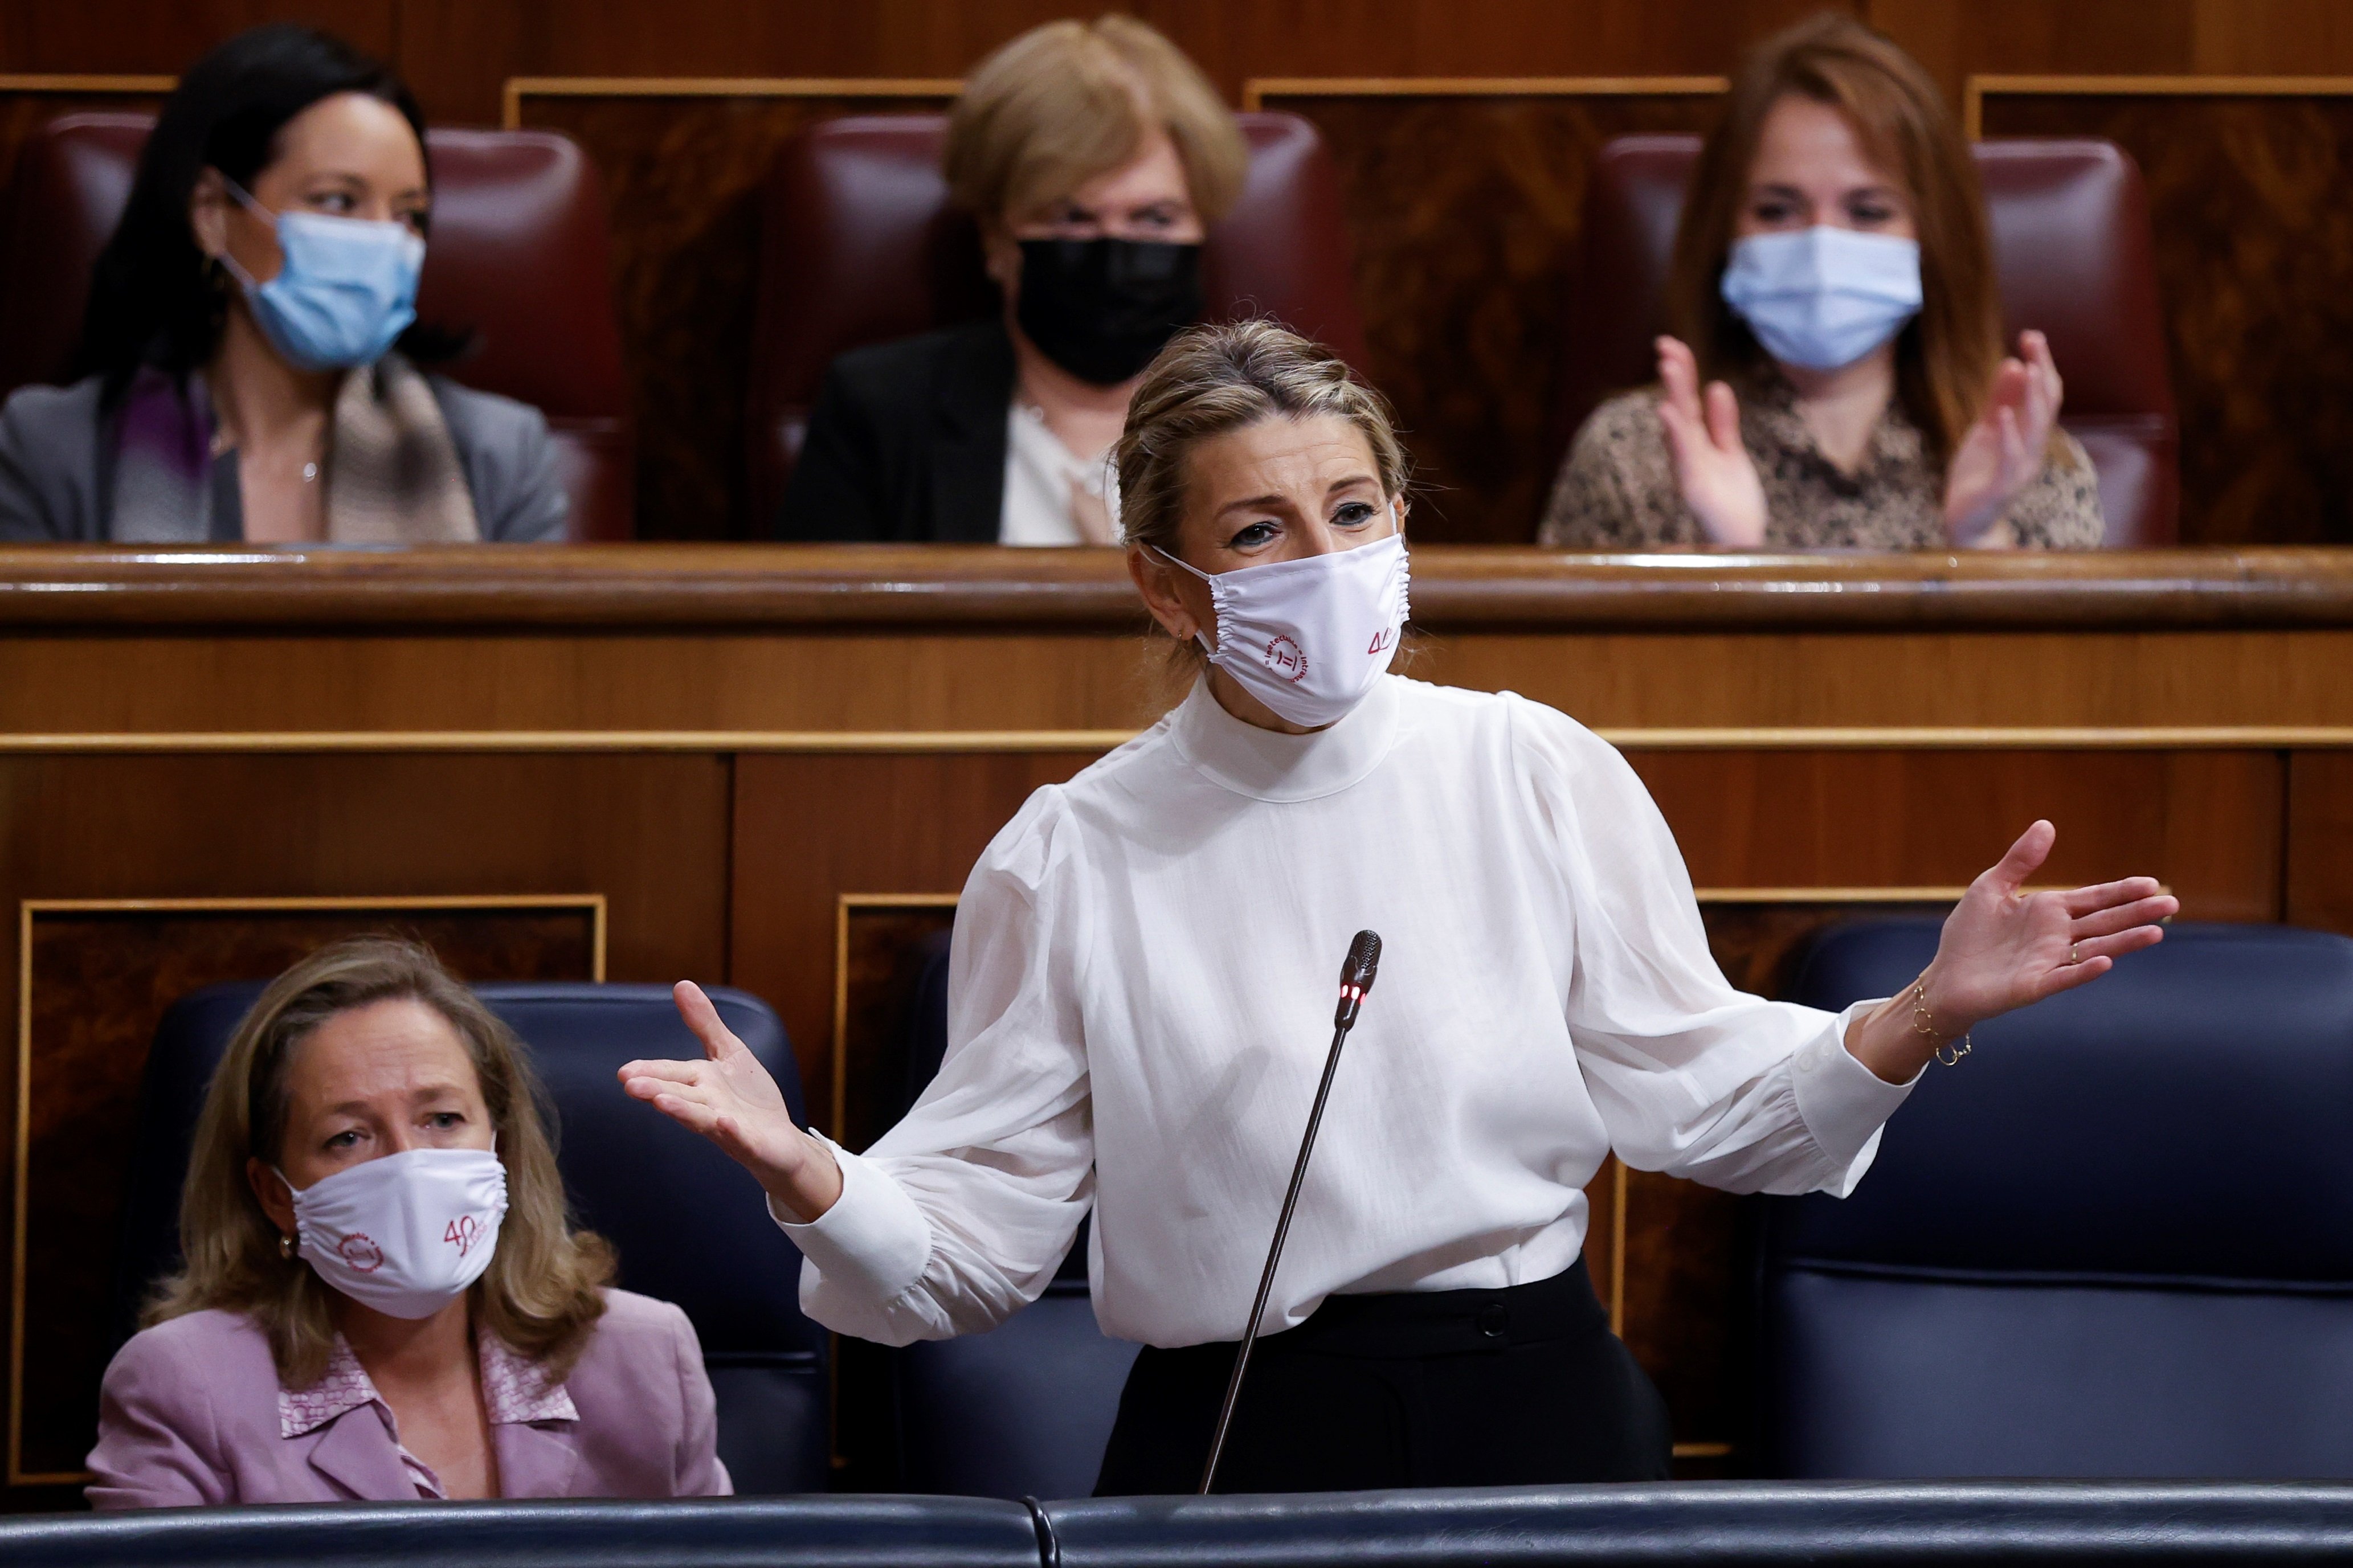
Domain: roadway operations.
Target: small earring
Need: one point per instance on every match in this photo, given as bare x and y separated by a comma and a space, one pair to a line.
285, 1244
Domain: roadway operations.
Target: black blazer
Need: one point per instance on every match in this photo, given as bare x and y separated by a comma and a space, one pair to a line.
906, 443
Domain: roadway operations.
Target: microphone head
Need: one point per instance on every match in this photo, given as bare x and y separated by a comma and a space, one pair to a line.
1364, 960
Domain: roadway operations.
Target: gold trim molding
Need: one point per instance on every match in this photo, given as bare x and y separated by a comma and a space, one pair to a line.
1848, 737
68, 83
1977, 88
21, 1218
1258, 89
519, 87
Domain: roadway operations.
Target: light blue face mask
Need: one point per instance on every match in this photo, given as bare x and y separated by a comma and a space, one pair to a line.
346, 287
1822, 296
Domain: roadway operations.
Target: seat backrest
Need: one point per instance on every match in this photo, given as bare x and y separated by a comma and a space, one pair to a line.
1025, 1409
2072, 252
687, 1226
518, 255
858, 245
2115, 1240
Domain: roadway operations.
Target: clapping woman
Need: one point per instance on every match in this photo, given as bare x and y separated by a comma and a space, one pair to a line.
1837, 376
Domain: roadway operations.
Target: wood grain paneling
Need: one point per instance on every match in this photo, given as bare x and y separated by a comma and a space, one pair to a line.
101, 980
2209, 825
2320, 840
2254, 259
924, 820
1465, 210
683, 177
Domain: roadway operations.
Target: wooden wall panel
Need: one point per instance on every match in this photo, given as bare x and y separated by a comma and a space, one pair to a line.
683, 175
1958, 38
2320, 840
869, 681
2208, 824
2254, 258
459, 50
1465, 210
164, 36
792, 861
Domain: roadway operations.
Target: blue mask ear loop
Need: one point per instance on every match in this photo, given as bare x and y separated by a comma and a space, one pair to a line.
251, 204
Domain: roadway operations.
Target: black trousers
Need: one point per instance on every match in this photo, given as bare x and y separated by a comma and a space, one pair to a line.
1455, 1388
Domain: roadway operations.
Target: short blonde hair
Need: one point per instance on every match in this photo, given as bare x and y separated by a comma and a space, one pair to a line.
1069, 101
541, 1294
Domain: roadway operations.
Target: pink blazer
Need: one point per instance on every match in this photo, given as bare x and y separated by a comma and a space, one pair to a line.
190, 1414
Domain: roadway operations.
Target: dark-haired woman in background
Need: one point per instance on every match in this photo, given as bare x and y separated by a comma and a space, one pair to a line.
1833, 269
240, 375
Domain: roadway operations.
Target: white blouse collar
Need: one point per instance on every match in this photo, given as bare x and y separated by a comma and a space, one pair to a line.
1266, 765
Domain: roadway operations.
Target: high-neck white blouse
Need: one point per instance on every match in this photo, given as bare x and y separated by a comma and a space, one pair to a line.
1139, 1002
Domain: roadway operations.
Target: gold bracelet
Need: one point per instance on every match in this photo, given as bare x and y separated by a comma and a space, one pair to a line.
1924, 1026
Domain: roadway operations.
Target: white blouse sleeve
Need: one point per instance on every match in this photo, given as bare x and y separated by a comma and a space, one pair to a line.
959, 1216
1692, 1076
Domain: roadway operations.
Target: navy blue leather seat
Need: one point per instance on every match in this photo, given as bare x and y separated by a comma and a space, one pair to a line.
1952, 1525
688, 1226
2117, 1240
794, 1533
1025, 1409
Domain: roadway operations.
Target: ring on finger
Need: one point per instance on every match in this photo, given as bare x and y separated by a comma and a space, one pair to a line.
2074, 955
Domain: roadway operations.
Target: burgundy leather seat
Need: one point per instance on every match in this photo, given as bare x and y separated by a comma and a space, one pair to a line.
518, 254
2071, 239
858, 245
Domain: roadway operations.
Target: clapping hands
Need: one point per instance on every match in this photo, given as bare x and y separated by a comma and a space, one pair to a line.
1712, 469
2002, 452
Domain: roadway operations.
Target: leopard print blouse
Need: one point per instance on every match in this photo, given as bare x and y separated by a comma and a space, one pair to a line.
1617, 490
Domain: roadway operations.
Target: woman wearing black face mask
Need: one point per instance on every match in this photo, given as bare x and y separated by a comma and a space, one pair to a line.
1094, 154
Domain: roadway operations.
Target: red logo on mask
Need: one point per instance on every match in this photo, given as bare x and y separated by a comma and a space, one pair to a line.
1286, 658
463, 1232
364, 1254
1381, 641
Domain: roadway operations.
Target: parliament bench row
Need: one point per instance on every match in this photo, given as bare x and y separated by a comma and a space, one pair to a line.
858, 245
2117, 1241
1731, 1523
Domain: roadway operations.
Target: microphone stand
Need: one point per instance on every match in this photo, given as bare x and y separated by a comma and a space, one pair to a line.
1355, 979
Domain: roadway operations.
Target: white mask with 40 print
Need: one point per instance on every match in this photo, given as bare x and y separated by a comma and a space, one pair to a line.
407, 1233
1823, 297
1308, 638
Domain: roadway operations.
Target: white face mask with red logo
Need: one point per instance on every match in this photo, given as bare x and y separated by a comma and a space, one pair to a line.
407, 1233
1308, 638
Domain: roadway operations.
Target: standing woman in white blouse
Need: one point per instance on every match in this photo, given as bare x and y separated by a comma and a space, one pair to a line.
1141, 984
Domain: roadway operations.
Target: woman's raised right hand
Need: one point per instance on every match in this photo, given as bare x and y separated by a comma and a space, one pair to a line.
729, 1098
1711, 467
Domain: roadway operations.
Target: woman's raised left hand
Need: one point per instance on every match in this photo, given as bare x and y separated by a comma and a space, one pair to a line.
2003, 450
2003, 947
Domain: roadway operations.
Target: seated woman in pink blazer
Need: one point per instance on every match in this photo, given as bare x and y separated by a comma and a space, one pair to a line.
384, 1298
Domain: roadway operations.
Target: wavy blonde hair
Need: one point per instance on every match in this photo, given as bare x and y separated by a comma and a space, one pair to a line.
541, 1292
1069, 101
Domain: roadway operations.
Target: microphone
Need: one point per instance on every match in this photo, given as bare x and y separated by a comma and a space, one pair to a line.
1356, 973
